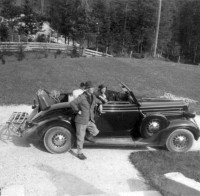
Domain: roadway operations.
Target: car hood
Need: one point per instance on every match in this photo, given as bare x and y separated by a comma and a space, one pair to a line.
157, 104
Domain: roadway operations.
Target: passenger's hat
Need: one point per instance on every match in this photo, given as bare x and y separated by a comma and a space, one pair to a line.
102, 86
89, 84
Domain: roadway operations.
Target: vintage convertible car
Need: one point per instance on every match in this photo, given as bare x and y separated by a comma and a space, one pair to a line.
124, 121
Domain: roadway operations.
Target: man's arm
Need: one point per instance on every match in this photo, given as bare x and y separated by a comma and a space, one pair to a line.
75, 104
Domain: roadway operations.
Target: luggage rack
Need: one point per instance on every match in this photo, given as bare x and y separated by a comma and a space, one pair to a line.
16, 123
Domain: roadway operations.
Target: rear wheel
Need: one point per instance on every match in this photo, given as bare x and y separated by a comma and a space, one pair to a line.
180, 140
58, 139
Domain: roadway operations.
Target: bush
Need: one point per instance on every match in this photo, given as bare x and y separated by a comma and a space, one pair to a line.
58, 52
4, 32
2, 58
20, 54
41, 38
74, 53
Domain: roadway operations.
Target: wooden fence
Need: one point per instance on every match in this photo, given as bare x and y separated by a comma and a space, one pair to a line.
32, 46
88, 52
41, 46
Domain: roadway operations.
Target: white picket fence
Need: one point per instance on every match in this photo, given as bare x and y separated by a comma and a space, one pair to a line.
88, 52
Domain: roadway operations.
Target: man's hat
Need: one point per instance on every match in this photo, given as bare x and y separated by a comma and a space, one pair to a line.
89, 84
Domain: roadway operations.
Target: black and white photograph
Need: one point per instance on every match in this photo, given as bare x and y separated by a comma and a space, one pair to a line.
99, 97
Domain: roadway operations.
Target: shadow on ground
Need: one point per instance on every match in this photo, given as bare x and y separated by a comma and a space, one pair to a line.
68, 184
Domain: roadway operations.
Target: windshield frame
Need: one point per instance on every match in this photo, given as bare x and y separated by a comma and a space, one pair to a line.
130, 92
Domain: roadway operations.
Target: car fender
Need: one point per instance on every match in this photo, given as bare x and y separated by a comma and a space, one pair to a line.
147, 118
40, 127
157, 115
160, 138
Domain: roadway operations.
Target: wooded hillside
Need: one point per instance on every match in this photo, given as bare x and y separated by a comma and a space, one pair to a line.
119, 26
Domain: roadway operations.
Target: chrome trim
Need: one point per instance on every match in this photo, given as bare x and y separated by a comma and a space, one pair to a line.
104, 111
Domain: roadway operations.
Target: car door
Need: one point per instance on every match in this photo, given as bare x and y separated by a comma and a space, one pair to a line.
117, 118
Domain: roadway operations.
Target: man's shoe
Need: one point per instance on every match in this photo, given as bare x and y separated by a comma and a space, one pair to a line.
81, 156
90, 139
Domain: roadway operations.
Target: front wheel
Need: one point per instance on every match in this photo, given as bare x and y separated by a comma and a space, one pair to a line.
180, 140
58, 139
152, 125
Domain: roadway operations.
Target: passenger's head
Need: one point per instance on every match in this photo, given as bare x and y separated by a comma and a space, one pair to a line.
102, 88
89, 87
82, 85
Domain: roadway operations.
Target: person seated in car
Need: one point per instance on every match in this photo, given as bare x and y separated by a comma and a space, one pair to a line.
101, 94
79, 91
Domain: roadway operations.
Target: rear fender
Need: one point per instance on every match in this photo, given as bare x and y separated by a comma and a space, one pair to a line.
160, 138
40, 127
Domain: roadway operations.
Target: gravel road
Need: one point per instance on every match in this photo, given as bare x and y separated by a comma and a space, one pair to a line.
25, 162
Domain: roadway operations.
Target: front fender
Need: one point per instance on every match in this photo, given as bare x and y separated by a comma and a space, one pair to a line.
159, 139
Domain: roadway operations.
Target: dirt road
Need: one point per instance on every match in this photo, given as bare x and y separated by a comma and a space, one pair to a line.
25, 162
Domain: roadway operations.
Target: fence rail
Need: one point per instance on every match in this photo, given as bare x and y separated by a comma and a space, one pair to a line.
32, 46
88, 52
39, 46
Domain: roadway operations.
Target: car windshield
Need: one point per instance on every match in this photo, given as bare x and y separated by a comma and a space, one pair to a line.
131, 96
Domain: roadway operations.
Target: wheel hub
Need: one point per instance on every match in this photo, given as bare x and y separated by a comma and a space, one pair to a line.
153, 127
59, 140
180, 141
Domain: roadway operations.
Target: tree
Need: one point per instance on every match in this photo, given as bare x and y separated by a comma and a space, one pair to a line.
101, 23
30, 22
4, 31
9, 10
189, 35
168, 15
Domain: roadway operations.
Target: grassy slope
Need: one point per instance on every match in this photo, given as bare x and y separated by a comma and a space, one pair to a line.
157, 163
21, 79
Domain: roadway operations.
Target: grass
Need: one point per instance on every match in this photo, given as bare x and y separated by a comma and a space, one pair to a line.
154, 164
21, 79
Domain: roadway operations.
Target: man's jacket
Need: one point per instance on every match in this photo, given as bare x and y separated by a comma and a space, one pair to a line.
86, 105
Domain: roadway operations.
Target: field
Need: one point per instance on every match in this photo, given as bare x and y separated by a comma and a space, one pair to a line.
21, 79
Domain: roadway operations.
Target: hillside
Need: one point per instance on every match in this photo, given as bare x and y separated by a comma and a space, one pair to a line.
21, 79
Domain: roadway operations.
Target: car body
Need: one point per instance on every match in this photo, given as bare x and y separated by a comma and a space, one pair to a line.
125, 120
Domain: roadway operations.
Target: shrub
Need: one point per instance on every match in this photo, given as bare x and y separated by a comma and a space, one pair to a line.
20, 54
4, 32
2, 58
58, 52
74, 53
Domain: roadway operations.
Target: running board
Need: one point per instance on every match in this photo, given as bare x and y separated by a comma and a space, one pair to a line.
118, 141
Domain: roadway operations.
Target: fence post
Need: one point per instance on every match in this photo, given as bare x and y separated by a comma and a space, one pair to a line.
179, 58
131, 54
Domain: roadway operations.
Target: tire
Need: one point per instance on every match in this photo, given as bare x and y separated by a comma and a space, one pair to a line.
180, 140
58, 139
152, 125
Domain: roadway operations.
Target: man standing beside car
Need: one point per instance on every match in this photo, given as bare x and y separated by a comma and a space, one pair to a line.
84, 107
